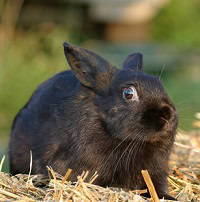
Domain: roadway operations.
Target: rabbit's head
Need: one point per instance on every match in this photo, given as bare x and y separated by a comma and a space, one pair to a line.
131, 104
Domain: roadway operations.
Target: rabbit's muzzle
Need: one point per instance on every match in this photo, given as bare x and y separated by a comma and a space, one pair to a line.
160, 118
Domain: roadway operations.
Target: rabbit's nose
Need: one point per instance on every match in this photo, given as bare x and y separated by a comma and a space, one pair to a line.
166, 114
159, 117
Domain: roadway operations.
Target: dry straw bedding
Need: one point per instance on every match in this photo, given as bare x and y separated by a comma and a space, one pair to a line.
184, 181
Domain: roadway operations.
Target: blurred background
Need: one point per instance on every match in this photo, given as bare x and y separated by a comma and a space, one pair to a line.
32, 32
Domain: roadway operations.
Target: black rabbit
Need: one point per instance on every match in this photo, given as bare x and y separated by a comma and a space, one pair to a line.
97, 118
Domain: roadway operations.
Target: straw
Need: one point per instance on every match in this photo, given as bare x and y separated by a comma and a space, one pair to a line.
183, 180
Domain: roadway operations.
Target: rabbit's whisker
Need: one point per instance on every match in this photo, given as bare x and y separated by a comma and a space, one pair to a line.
183, 118
183, 100
138, 138
183, 108
137, 149
163, 67
130, 153
104, 164
114, 171
132, 141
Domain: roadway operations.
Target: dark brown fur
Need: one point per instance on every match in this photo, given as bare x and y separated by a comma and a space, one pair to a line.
80, 120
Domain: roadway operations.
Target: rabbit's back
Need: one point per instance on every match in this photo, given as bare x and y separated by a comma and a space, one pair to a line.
36, 121
48, 96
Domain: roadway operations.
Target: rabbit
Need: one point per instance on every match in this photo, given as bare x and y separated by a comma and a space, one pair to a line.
96, 117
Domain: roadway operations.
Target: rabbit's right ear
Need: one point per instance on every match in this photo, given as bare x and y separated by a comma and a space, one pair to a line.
91, 69
134, 62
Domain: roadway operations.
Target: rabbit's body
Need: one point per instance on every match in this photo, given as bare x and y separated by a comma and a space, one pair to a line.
91, 122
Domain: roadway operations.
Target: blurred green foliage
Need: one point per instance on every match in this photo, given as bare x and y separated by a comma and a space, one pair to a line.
179, 24
33, 57
35, 54
28, 60
183, 87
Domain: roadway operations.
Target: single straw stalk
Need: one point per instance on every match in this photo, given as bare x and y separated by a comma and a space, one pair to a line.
150, 185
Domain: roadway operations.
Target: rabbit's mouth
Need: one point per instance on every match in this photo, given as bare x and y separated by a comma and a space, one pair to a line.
170, 120
167, 125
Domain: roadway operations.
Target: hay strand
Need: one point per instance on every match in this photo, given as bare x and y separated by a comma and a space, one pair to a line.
184, 181
2, 161
150, 185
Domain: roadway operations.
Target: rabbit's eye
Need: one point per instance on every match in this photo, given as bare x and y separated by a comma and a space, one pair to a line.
130, 94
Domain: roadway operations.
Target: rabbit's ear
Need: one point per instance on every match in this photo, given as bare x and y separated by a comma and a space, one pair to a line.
134, 62
91, 69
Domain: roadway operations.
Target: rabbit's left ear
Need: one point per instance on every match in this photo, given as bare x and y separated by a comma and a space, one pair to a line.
90, 69
134, 62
